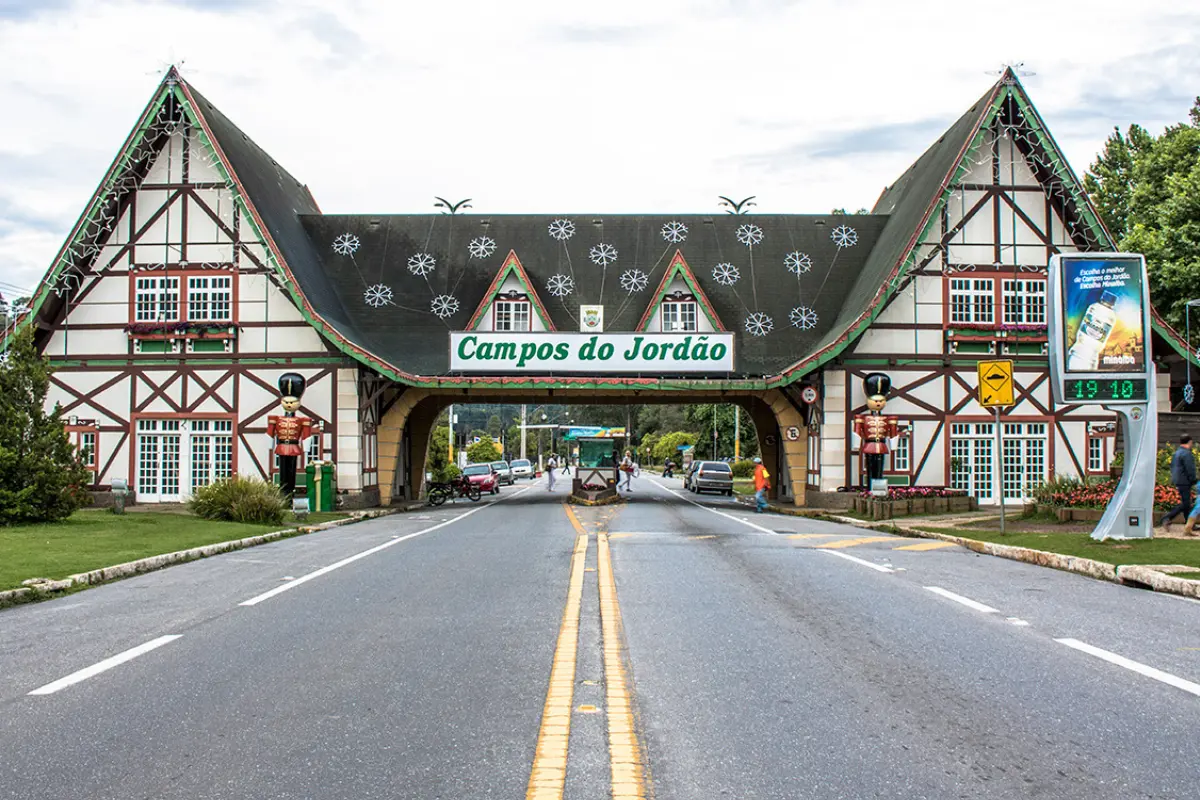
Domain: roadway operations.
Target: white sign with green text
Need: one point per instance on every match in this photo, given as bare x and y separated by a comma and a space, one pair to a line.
594, 354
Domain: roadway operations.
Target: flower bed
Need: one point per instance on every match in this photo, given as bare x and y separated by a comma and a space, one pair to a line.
905, 501
1099, 495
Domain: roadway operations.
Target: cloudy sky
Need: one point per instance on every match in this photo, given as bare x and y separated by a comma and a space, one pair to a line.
551, 106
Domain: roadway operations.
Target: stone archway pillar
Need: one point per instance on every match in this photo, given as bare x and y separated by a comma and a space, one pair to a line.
390, 433
778, 414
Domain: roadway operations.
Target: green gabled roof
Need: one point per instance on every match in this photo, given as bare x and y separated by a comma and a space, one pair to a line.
511, 266
678, 268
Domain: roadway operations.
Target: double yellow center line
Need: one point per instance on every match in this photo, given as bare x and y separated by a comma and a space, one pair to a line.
548, 777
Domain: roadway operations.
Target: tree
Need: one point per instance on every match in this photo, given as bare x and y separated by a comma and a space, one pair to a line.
41, 476
494, 426
1109, 181
668, 445
1145, 189
700, 419
481, 452
437, 458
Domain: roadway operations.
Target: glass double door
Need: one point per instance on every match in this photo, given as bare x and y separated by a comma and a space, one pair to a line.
177, 456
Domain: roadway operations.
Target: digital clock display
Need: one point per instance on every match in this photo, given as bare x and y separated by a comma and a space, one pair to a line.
1104, 390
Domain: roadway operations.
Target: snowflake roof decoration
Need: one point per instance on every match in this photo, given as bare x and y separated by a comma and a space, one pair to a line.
797, 262
444, 305
759, 324
603, 254
1189, 394
726, 274
844, 236
634, 280
378, 295
346, 244
421, 263
749, 235
804, 318
674, 232
481, 247
562, 229
560, 285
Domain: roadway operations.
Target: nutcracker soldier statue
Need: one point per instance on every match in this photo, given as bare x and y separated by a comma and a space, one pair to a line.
875, 428
289, 431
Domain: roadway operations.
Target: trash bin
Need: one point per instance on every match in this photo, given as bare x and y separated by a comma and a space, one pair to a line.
320, 482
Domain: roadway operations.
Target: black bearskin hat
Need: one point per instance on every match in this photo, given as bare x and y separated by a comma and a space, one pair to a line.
291, 384
877, 384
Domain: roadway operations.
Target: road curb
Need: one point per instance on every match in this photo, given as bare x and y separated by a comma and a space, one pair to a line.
1127, 574
95, 577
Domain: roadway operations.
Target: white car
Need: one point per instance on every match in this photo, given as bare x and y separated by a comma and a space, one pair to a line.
521, 468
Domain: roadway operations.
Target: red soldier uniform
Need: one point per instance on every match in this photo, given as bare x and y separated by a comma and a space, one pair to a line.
875, 428
289, 431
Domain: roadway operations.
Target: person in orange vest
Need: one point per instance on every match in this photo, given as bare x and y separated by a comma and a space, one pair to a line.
762, 482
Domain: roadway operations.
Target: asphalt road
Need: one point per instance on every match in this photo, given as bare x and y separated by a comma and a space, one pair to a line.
697, 650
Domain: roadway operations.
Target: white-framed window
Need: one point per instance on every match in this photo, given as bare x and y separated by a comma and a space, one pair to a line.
1023, 467
678, 316
370, 449
972, 301
971, 447
156, 299
1095, 454
902, 452
210, 298
814, 456
313, 450
1024, 302
512, 315
87, 448
175, 457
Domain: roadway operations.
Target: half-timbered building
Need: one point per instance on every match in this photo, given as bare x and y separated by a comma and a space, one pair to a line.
201, 270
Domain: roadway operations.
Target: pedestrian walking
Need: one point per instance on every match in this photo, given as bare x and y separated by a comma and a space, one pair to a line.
762, 482
1183, 475
566, 465
627, 471
551, 466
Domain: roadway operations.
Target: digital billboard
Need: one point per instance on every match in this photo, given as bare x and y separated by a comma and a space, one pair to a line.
1104, 316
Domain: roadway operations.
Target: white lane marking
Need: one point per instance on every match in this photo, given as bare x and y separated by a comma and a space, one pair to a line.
253, 601
746, 522
966, 601
1020, 623
106, 664
856, 560
1134, 666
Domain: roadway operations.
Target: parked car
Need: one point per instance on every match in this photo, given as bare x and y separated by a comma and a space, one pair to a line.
711, 476
686, 473
484, 476
521, 468
505, 472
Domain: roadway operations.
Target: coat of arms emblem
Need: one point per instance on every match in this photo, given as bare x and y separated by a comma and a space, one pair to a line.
591, 318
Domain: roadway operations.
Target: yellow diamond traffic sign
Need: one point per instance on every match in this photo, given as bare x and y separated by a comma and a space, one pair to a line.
995, 383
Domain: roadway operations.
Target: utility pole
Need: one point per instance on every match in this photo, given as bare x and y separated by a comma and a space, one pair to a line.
523, 430
450, 438
737, 432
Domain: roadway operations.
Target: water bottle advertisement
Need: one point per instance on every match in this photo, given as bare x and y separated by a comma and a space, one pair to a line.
1103, 316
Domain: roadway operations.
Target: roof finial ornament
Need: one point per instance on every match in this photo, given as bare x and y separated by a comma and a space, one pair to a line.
451, 208
1010, 71
739, 207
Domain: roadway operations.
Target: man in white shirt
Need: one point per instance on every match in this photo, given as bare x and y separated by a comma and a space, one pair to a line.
551, 466
627, 471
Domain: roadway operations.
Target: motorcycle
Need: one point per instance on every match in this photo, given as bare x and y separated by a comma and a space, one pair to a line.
440, 492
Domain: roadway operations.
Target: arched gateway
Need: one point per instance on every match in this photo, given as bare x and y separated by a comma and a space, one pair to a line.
200, 271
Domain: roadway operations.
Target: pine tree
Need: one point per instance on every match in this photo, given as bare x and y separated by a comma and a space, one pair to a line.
41, 477
1110, 180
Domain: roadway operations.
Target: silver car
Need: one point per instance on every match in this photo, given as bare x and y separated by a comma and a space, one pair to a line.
711, 476
504, 473
522, 468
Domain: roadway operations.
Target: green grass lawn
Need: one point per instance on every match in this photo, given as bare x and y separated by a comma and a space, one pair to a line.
1135, 551
743, 485
94, 539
